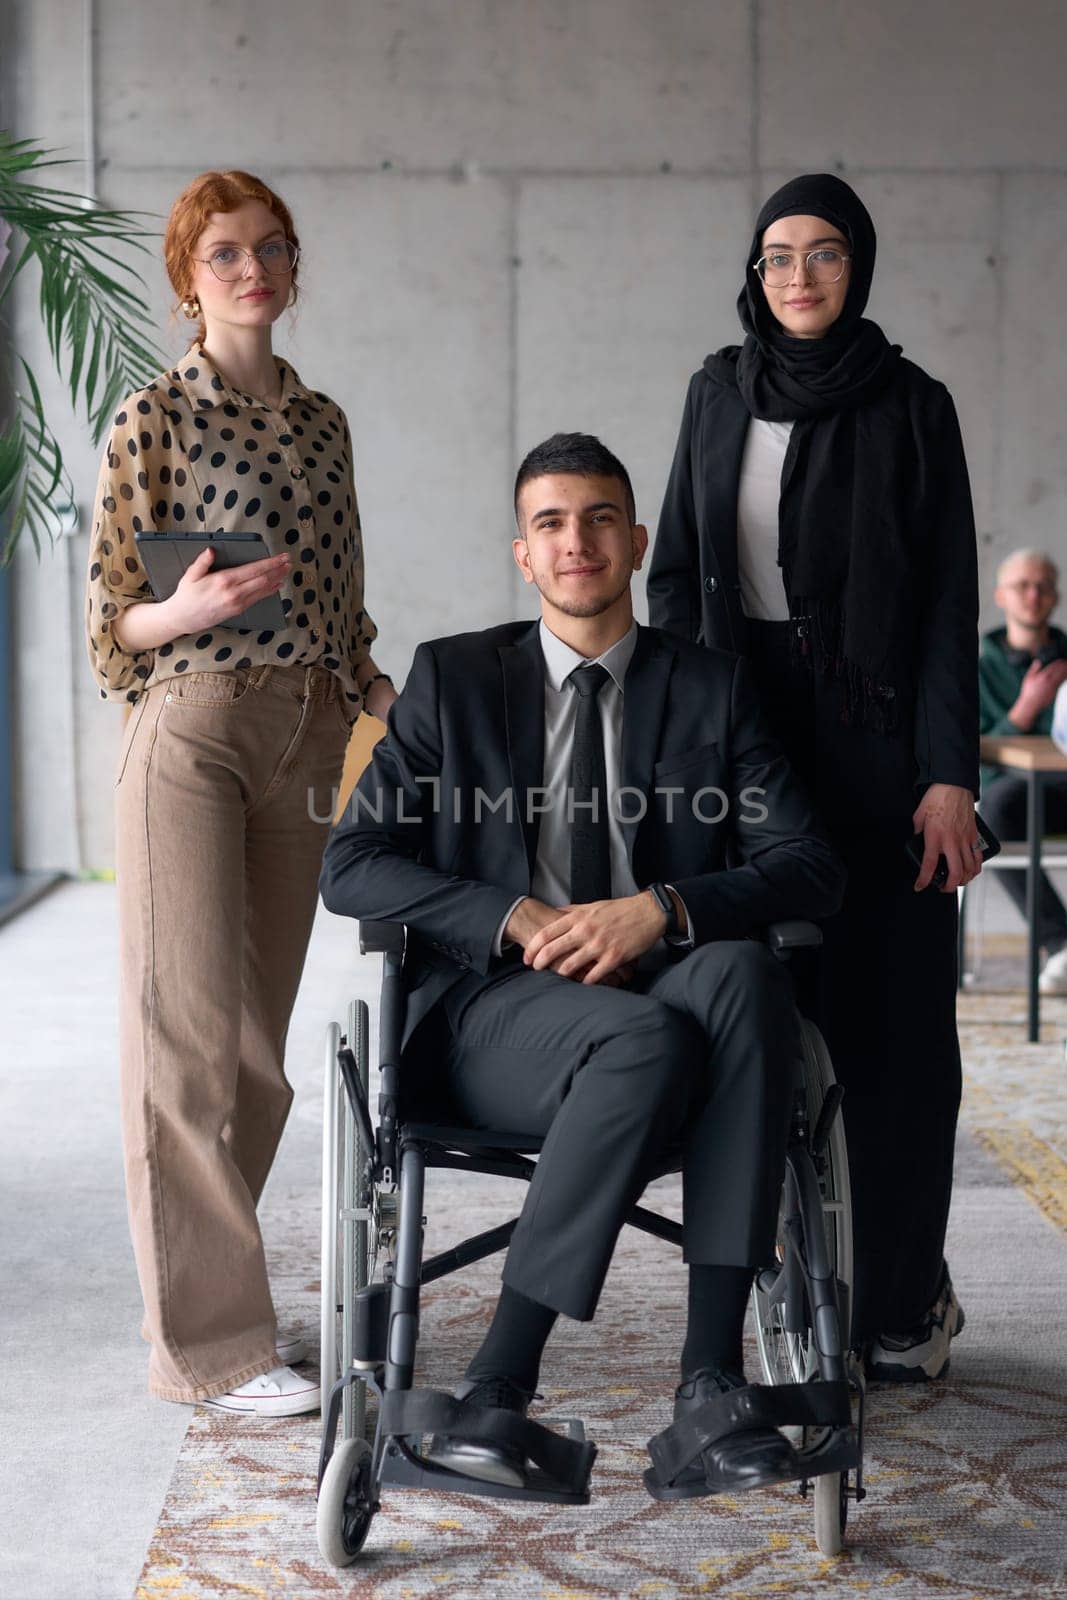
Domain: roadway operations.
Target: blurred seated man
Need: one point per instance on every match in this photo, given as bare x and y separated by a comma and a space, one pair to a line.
1020, 669
586, 825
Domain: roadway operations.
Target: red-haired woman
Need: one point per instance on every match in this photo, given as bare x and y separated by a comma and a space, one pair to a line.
232, 734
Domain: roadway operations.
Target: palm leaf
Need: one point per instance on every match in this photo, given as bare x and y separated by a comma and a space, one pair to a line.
95, 317
33, 479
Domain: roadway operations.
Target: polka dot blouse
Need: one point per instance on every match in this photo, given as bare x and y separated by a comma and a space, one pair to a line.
187, 451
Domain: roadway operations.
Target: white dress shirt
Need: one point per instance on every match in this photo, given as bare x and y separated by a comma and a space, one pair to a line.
759, 492
552, 866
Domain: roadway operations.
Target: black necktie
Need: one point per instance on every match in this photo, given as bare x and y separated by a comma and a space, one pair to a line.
590, 853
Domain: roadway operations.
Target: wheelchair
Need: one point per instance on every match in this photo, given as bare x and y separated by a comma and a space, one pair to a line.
373, 1180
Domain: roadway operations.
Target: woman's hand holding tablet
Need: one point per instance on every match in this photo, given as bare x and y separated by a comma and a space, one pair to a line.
204, 581
191, 596
204, 598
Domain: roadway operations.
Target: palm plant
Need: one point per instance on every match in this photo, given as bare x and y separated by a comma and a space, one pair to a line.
95, 316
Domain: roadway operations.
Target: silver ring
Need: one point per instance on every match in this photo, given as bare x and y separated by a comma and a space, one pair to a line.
976, 849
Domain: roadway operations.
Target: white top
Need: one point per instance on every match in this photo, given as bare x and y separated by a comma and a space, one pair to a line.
758, 494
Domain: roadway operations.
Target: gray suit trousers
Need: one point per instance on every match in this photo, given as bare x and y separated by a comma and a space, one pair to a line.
698, 1058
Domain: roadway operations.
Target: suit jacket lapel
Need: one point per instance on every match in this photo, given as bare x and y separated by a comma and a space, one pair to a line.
524, 710
643, 704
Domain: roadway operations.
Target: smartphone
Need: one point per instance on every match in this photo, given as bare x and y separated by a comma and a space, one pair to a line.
986, 838
167, 557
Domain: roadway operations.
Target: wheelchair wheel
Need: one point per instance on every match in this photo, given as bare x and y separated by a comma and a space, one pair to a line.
831, 1512
789, 1357
346, 1503
836, 1190
346, 1213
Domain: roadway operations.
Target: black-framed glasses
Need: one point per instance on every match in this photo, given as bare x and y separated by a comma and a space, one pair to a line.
229, 262
825, 265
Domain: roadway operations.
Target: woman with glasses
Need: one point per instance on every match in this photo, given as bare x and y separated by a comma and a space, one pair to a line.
232, 753
818, 521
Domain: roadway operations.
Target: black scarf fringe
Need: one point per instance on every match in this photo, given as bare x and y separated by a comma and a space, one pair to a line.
816, 644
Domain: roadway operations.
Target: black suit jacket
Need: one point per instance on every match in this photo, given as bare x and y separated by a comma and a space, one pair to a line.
471, 720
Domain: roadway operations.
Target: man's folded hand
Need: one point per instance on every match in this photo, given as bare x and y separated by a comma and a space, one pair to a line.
527, 920
597, 942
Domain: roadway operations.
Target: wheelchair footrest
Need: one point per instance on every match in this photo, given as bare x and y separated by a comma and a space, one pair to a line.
676, 1472
691, 1484
560, 1468
836, 1451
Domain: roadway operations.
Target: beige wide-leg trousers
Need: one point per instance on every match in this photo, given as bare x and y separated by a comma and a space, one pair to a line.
224, 794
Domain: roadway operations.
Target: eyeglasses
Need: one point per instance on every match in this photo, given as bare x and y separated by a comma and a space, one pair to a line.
822, 266
1043, 587
229, 262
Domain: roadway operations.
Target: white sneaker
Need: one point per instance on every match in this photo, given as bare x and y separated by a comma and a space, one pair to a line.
1053, 979
279, 1393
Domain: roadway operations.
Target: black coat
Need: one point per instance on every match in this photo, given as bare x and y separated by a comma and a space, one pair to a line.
694, 591
471, 718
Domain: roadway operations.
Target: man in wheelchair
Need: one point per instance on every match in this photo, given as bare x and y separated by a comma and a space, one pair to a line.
585, 825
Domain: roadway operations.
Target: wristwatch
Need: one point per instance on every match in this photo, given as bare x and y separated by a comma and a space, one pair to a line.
675, 929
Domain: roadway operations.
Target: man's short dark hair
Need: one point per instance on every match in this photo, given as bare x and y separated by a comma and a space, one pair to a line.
577, 453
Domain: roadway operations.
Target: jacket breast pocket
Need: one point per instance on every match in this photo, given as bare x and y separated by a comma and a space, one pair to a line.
690, 801
682, 760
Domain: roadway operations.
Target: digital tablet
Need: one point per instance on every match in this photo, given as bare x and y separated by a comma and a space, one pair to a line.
167, 557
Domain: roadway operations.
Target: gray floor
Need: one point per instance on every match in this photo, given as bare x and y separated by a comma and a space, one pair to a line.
88, 1454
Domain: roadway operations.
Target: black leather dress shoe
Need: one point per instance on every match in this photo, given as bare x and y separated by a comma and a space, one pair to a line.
475, 1458
748, 1459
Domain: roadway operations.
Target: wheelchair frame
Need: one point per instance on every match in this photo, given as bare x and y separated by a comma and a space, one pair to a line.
373, 1189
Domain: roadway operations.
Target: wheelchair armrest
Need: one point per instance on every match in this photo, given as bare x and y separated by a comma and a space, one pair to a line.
387, 937
782, 937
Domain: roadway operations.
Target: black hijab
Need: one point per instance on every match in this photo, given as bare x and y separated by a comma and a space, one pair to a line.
843, 555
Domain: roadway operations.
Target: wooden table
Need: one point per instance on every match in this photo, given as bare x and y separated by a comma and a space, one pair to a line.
1035, 759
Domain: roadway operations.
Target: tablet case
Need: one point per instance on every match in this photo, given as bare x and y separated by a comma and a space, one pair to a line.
167, 556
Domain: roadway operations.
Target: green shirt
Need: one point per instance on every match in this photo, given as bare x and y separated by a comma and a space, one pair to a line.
1001, 670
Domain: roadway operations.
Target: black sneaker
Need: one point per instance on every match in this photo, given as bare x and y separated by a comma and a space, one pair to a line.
475, 1458
921, 1354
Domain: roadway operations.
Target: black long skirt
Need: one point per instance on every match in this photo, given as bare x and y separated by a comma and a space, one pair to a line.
882, 989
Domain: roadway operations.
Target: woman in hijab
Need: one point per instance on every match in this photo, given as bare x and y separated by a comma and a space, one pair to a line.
818, 521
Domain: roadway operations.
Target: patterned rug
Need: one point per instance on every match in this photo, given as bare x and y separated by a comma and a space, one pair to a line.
966, 1480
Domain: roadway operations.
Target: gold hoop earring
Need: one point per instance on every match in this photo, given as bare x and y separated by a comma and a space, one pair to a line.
191, 309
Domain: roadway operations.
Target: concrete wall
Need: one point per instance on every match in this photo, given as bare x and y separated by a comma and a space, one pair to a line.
518, 217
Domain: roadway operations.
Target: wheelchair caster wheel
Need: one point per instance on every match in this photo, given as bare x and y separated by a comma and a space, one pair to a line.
346, 1503
831, 1511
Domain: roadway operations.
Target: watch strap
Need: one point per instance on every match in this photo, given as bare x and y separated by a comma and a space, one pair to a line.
664, 899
